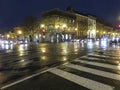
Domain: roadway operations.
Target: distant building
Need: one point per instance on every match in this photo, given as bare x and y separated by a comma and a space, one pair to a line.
86, 24
58, 25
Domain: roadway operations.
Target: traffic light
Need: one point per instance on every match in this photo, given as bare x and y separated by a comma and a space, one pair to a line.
43, 31
119, 26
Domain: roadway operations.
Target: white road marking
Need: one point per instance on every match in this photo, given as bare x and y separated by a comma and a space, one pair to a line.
95, 71
98, 59
93, 54
88, 83
117, 67
9, 85
104, 56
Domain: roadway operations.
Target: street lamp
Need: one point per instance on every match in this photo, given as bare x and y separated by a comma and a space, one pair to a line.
42, 26
76, 29
8, 35
19, 36
57, 26
19, 32
64, 26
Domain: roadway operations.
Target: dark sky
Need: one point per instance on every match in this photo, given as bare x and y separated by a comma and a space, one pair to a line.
12, 12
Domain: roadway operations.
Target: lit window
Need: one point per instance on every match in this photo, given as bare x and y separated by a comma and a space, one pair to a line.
73, 20
50, 26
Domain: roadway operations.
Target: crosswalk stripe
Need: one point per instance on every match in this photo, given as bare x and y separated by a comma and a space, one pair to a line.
94, 71
100, 64
111, 55
115, 62
90, 84
96, 55
103, 56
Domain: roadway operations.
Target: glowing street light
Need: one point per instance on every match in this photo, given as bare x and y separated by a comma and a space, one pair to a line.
42, 25
57, 26
8, 35
64, 26
119, 26
19, 32
104, 32
97, 31
76, 29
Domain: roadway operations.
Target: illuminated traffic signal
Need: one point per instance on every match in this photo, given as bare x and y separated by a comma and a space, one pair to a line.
43, 31
119, 25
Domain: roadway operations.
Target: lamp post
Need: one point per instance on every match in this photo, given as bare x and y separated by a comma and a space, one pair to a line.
19, 33
42, 26
8, 36
64, 26
97, 34
43, 31
76, 30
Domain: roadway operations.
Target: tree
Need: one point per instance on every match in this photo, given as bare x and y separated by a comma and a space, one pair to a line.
30, 24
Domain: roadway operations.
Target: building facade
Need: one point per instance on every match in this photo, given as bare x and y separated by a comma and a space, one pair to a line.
82, 26
57, 26
91, 33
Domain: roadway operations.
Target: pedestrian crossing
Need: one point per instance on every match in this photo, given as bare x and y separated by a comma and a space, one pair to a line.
92, 72
81, 80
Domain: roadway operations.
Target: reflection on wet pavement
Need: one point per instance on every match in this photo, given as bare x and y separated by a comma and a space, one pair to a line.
20, 60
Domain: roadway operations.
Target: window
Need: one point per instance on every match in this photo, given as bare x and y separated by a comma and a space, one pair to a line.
50, 26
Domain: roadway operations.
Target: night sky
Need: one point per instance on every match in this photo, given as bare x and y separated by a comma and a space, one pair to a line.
12, 12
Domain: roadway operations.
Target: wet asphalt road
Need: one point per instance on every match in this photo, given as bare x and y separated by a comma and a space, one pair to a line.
99, 70
17, 61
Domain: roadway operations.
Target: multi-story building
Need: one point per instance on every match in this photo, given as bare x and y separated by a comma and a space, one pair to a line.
86, 25
91, 33
57, 25
100, 28
109, 30
82, 25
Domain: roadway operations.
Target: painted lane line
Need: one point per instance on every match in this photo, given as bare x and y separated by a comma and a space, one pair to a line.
95, 71
26, 78
88, 83
96, 55
9, 85
117, 67
97, 59
103, 56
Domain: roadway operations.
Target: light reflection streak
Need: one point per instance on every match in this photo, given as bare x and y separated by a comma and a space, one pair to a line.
22, 60
6, 46
43, 50
90, 44
76, 46
118, 66
82, 43
43, 57
103, 44
23, 63
64, 58
64, 48
97, 43
64, 51
76, 49
21, 49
